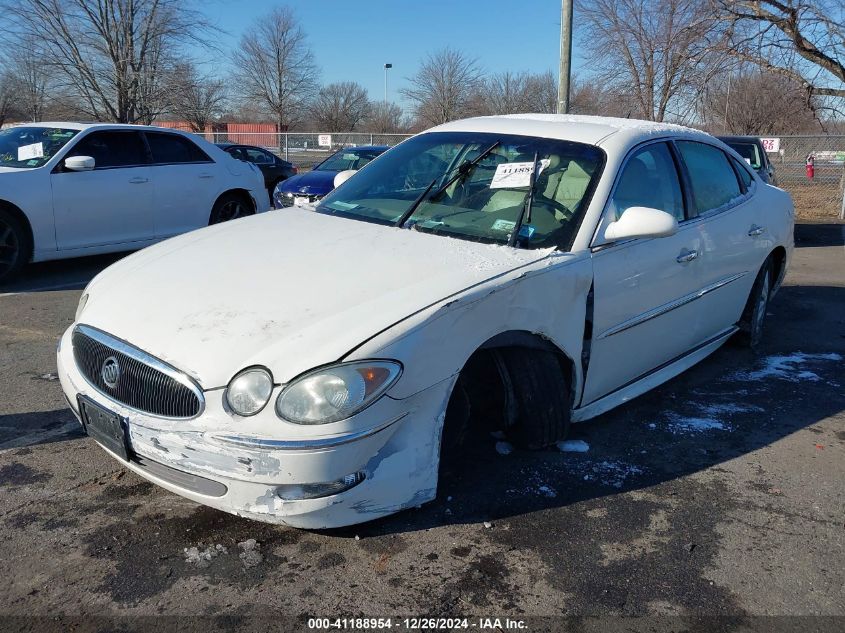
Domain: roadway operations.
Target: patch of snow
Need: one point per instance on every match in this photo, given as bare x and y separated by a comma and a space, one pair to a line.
547, 491
784, 367
652, 425
250, 555
202, 557
573, 446
713, 410
682, 425
607, 473
614, 122
504, 448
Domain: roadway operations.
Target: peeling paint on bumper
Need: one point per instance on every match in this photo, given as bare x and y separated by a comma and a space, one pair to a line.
400, 459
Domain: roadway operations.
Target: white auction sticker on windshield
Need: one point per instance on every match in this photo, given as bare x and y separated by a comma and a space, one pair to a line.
512, 175
26, 152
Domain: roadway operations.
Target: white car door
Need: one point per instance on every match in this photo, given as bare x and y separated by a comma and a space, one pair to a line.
734, 243
110, 204
641, 319
185, 183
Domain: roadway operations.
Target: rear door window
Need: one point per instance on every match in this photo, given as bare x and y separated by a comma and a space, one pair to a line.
169, 149
713, 181
258, 157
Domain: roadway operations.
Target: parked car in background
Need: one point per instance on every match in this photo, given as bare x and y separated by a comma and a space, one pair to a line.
519, 273
275, 169
71, 189
312, 185
752, 150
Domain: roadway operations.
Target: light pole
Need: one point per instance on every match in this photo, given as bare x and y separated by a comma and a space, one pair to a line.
386, 66
565, 56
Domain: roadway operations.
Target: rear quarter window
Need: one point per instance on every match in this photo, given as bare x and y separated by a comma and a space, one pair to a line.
171, 149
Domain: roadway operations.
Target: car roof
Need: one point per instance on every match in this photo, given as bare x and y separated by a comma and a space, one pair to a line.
739, 139
375, 148
593, 130
72, 125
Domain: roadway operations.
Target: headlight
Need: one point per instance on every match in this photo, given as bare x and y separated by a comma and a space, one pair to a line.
336, 393
83, 301
249, 391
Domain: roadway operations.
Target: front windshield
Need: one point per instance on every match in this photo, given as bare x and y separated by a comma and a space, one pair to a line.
749, 151
347, 159
28, 147
485, 202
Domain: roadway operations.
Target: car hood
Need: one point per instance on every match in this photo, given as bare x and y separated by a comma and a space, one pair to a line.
290, 290
311, 182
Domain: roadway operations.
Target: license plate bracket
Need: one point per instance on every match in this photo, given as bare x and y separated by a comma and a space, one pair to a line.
105, 427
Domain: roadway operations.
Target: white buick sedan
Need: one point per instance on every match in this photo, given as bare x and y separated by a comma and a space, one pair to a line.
311, 367
70, 189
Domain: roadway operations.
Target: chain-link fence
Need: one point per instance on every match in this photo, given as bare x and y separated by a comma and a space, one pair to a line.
818, 197
304, 149
818, 193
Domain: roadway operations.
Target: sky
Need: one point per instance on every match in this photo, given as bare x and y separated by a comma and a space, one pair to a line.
353, 39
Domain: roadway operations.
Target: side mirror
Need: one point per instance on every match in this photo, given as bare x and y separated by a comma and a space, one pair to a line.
79, 163
343, 176
641, 222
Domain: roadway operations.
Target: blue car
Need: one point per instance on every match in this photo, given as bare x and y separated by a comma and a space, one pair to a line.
313, 185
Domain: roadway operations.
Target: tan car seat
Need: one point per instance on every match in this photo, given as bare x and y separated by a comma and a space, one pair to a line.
571, 186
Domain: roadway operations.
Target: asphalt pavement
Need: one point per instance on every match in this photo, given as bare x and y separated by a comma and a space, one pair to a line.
710, 503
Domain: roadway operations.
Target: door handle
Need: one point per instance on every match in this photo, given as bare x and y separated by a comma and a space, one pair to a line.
206, 175
755, 230
138, 180
686, 257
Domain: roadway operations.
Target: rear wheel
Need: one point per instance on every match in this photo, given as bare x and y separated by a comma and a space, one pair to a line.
15, 245
754, 315
230, 206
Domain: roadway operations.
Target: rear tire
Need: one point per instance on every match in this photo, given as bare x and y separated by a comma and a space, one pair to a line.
753, 316
15, 245
230, 206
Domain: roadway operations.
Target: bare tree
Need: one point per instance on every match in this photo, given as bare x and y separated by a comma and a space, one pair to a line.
541, 90
653, 51
511, 92
444, 86
112, 54
385, 118
276, 67
506, 93
5, 99
27, 80
755, 102
197, 99
803, 40
340, 107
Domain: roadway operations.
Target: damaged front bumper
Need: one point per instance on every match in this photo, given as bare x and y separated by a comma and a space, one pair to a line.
384, 460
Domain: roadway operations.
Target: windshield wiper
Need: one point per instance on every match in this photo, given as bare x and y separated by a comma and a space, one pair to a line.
462, 171
525, 212
410, 210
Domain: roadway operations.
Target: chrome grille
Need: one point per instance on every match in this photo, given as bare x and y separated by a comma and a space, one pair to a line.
145, 383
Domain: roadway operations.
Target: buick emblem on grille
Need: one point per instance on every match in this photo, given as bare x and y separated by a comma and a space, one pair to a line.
110, 372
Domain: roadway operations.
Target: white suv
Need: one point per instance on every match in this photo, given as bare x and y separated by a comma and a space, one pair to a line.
70, 189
